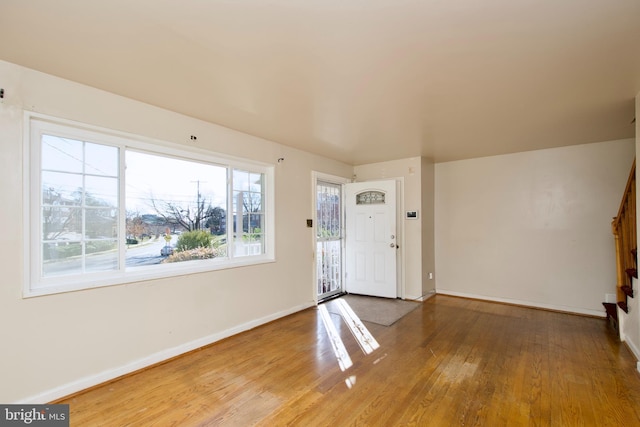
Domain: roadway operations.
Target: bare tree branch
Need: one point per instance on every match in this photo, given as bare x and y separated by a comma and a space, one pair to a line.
184, 216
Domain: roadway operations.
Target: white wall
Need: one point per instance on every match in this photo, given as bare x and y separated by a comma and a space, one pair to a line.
417, 253
532, 228
55, 345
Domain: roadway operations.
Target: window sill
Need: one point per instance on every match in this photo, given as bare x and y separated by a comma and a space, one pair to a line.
139, 274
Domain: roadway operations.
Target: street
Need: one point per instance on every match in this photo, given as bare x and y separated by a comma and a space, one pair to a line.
136, 255
147, 254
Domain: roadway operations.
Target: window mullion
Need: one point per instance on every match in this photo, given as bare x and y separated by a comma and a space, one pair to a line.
83, 211
230, 213
122, 210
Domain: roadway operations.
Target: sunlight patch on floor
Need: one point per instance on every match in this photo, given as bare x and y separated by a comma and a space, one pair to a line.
344, 361
360, 332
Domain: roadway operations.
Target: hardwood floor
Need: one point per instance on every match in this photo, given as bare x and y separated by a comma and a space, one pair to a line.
452, 361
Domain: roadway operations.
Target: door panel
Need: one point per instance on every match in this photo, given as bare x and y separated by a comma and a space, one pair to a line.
370, 238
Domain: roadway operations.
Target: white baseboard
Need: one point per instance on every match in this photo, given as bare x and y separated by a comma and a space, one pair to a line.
589, 312
629, 343
93, 380
634, 349
421, 298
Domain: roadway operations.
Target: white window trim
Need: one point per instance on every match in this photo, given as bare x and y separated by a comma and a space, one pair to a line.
34, 286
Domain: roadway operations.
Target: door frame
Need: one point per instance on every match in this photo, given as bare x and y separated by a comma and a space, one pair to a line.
315, 177
400, 258
400, 222
400, 219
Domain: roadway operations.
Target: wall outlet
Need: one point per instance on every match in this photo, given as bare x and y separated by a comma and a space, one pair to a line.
610, 298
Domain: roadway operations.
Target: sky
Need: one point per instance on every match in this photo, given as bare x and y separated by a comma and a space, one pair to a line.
68, 164
169, 179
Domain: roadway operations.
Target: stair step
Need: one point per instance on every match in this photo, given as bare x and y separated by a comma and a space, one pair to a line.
632, 272
623, 306
612, 313
610, 308
628, 290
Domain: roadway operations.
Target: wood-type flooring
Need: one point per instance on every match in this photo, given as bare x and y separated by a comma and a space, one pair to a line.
451, 362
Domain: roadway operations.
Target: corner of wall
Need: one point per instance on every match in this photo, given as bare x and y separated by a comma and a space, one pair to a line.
427, 202
630, 324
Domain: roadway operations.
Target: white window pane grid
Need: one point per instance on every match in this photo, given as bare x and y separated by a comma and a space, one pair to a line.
79, 201
248, 213
82, 226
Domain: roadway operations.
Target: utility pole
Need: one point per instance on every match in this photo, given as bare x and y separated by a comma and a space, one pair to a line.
198, 210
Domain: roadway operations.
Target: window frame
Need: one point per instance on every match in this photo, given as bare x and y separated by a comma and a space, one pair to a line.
36, 124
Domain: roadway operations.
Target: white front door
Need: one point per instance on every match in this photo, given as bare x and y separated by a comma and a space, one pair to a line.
371, 238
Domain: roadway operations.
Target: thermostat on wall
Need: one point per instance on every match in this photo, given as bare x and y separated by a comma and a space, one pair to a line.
412, 215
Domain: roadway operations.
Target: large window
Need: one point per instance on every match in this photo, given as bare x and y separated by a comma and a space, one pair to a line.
107, 208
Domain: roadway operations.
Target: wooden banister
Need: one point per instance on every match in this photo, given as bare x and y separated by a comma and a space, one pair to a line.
623, 227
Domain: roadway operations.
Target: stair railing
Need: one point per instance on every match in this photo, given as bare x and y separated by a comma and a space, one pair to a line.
623, 227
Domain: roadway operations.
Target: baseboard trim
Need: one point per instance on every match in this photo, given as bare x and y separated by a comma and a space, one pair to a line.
153, 359
421, 298
553, 307
634, 350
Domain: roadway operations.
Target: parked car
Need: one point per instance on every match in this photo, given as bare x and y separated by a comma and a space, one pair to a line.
166, 250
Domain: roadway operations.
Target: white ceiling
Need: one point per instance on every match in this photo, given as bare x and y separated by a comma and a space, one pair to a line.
354, 80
